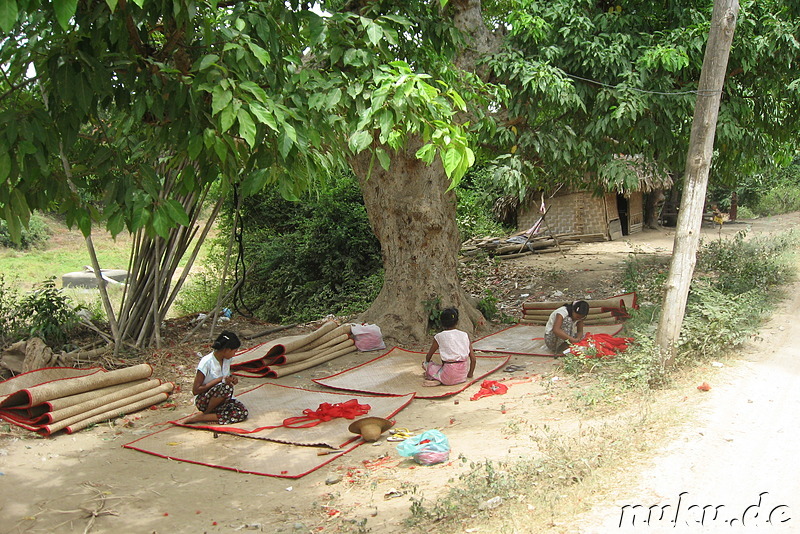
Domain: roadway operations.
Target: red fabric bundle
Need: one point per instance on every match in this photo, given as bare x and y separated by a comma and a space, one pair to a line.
600, 345
490, 387
325, 412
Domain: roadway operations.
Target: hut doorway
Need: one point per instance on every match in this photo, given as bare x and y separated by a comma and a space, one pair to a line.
623, 208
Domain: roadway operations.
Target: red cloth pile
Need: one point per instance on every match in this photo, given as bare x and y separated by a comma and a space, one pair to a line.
600, 345
325, 412
490, 387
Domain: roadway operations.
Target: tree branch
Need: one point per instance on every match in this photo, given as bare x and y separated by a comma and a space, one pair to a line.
133, 33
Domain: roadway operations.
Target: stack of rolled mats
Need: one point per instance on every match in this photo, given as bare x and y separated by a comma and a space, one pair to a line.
53, 399
292, 354
608, 311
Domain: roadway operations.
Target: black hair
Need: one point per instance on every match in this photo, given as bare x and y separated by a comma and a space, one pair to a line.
581, 307
226, 340
449, 317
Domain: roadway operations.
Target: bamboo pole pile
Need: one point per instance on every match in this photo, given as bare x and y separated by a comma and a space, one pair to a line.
613, 310
518, 244
292, 354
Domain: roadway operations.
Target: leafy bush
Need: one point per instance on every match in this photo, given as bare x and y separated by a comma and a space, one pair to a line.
739, 265
306, 259
46, 312
477, 193
735, 283
36, 234
9, 313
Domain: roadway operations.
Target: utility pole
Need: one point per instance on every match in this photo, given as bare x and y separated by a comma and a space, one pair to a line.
698, 162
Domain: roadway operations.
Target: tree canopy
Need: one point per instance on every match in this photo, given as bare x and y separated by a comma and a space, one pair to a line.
123, 113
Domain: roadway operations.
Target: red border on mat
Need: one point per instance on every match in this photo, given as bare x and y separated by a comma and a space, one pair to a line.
545, 354
417, 396
228, 430
261, 358
331, 457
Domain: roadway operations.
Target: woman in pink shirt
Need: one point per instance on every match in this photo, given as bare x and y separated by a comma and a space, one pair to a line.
455, 350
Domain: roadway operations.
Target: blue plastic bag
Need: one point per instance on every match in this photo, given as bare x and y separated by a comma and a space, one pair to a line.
430, 447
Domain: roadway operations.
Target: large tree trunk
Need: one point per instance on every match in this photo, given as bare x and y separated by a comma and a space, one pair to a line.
414, 217
653, 202
698, 162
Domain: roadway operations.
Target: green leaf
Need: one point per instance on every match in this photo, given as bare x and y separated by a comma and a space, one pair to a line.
285, 143
84, 223
261, 54
374, 33
176, 212
207, 61
161, 223
112, 5
19, 205
255, 182
116, 223
333, 98
383, 158
221, 149
247, 128
426, 153
359, 141
263, 116
65, 10
220, 98
5, 166
255, 90
227, 118
8, 14
195, 146
12, 223
452, 159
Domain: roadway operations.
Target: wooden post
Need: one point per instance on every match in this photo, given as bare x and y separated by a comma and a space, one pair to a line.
698, 161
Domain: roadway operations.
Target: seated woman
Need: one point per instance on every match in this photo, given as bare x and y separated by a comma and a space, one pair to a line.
213, 385
565, 326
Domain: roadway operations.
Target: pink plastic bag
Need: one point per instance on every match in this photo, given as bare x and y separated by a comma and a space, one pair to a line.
367, 337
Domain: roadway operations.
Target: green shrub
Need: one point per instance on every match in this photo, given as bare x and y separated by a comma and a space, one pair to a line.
782, 199
35, 234
476, 194
739, 265
307, 258
488, 305
46, 312
10, 318
735, 282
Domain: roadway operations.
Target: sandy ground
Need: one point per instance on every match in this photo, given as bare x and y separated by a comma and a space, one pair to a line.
741, 448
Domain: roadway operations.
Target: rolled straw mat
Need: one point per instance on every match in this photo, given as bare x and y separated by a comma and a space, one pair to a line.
399, 372
34, 395
116, 409
623, 301
270, 404
234, 452
59, 409
41, 376
529, 339
268, 352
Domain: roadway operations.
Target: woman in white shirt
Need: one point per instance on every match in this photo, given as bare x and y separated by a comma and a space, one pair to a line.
565, 325
213, 385
455, 350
